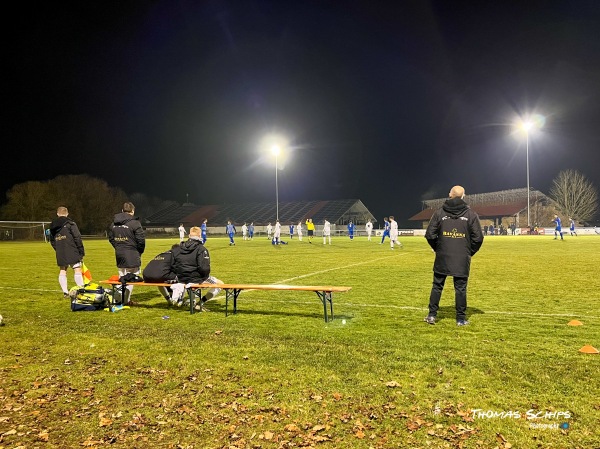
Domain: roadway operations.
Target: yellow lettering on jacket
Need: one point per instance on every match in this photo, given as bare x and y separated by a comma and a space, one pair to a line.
454, 234
60, 237
121, 239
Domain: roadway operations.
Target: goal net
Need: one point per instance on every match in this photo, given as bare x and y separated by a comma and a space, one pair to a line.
24, 230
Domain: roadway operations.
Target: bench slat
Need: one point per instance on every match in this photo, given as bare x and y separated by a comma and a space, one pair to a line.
308, 288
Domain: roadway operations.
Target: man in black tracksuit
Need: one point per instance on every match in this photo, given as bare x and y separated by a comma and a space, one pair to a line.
192, 263
126, 235
65, 238
454, 233
161, 269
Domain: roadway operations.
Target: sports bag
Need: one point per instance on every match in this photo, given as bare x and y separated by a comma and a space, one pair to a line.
90, 297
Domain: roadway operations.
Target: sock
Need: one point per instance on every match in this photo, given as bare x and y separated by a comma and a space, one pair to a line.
79, 279
62, 280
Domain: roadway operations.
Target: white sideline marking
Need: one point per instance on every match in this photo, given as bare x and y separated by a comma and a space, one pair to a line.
424, 309
351, 304
31, 289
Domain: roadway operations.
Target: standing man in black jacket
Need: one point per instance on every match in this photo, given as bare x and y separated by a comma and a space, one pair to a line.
126, 235
454, 233
192, 265
65, 238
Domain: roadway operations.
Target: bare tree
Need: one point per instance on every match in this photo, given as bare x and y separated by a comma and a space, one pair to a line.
574, 195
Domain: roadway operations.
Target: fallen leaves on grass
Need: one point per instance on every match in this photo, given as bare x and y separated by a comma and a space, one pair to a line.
502, 440
104, 420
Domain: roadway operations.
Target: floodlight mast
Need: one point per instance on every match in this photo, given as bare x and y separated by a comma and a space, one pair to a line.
276, 150
527, 126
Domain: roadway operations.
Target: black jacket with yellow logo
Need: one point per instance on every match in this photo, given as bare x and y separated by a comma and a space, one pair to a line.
454, 233
66, 241
160, 269
191, 262
126, 235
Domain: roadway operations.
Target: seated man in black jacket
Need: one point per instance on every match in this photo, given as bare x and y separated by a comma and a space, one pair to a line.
160, 269
192, 264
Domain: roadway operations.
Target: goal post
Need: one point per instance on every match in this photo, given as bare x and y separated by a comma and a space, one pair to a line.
24, 230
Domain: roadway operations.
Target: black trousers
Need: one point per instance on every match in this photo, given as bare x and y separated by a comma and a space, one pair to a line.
460, 295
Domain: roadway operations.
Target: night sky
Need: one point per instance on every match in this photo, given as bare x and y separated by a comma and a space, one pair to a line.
388, 102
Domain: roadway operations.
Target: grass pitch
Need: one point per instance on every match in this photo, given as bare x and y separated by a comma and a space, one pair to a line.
277, 375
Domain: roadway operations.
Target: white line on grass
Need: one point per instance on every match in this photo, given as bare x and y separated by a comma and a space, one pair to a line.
336, 268
421, 309
351, 304
314, 273
31, 289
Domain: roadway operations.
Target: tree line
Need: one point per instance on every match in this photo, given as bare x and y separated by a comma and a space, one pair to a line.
92, 203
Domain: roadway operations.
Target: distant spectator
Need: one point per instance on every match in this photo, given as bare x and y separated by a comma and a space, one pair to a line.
369, 229
326, 232
181, 233
251, 230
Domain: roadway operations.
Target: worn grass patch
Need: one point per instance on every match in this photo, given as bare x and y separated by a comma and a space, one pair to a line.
277, 375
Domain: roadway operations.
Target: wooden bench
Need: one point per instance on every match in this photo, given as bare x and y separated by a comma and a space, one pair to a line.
232, 292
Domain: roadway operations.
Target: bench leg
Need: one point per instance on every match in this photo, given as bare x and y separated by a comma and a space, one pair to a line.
192, 294
236, 293
231, 293
326, 297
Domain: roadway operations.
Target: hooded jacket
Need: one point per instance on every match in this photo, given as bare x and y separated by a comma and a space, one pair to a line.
454, 233
191, 262
126, 235
160, 269
65, 238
